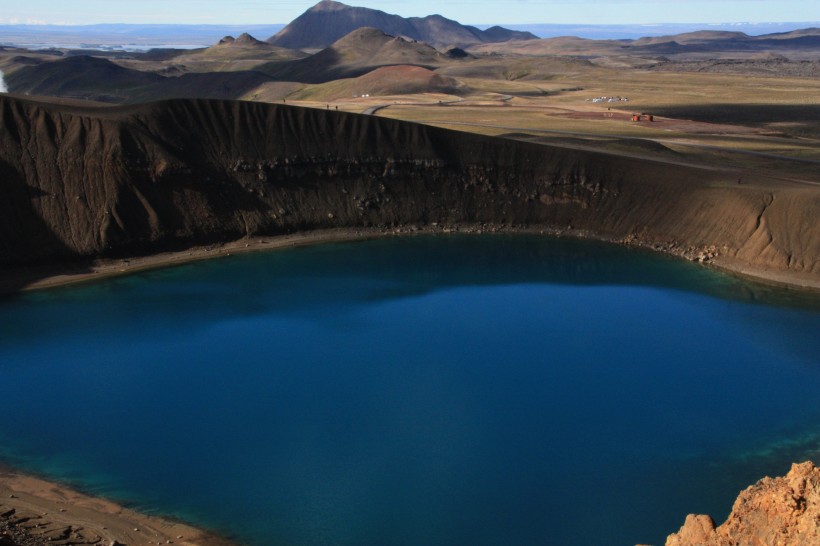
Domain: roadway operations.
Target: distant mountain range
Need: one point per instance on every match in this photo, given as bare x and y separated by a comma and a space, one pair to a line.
199, 73
800, 44
142, 36
633, 32
114, 35
328, 21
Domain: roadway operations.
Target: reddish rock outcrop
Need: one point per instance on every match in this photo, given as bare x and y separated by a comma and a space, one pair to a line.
783, 511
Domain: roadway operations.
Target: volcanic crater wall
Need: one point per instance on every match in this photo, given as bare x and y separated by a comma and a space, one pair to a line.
80, 182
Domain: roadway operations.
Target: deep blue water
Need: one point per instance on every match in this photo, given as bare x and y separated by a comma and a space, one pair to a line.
455, 390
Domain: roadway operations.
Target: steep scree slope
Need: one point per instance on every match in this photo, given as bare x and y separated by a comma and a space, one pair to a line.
82, 183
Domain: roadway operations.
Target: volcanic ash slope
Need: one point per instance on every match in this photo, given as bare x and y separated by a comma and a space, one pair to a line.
79, 182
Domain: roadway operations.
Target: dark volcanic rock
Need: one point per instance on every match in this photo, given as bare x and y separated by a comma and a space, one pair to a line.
456, 53
14, 533
80, 182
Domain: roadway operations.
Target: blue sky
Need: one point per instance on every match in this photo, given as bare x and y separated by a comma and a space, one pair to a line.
464, 11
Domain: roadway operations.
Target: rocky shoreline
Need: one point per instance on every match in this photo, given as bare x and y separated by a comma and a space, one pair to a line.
16, 279
36, 512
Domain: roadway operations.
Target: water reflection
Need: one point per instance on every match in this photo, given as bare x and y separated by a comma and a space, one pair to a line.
290, 282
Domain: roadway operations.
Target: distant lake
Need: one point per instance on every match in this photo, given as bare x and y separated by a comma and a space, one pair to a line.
493, 390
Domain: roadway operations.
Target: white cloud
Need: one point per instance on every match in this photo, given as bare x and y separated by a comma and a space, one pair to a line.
19, 21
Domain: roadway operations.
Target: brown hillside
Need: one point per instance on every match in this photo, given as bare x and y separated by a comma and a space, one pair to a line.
83, 182
80, 76
698, 37
406, 80
357, 53
95, 79
245, 47
384, 81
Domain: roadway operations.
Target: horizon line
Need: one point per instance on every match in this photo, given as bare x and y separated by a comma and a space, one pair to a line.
44, 24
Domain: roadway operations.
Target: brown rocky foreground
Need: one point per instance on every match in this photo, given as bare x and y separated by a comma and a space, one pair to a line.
79, 183
783, 511
35, 512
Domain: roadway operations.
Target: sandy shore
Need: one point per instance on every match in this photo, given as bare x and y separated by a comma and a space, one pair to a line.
34, 512
33, 279
14, 280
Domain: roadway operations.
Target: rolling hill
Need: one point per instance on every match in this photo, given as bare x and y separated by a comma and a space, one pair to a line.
384, 81
244, 47
102, 80
243, 53
359, 52
80, 76
229, 70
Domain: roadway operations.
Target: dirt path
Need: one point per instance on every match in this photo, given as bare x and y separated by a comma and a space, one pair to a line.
373, 109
